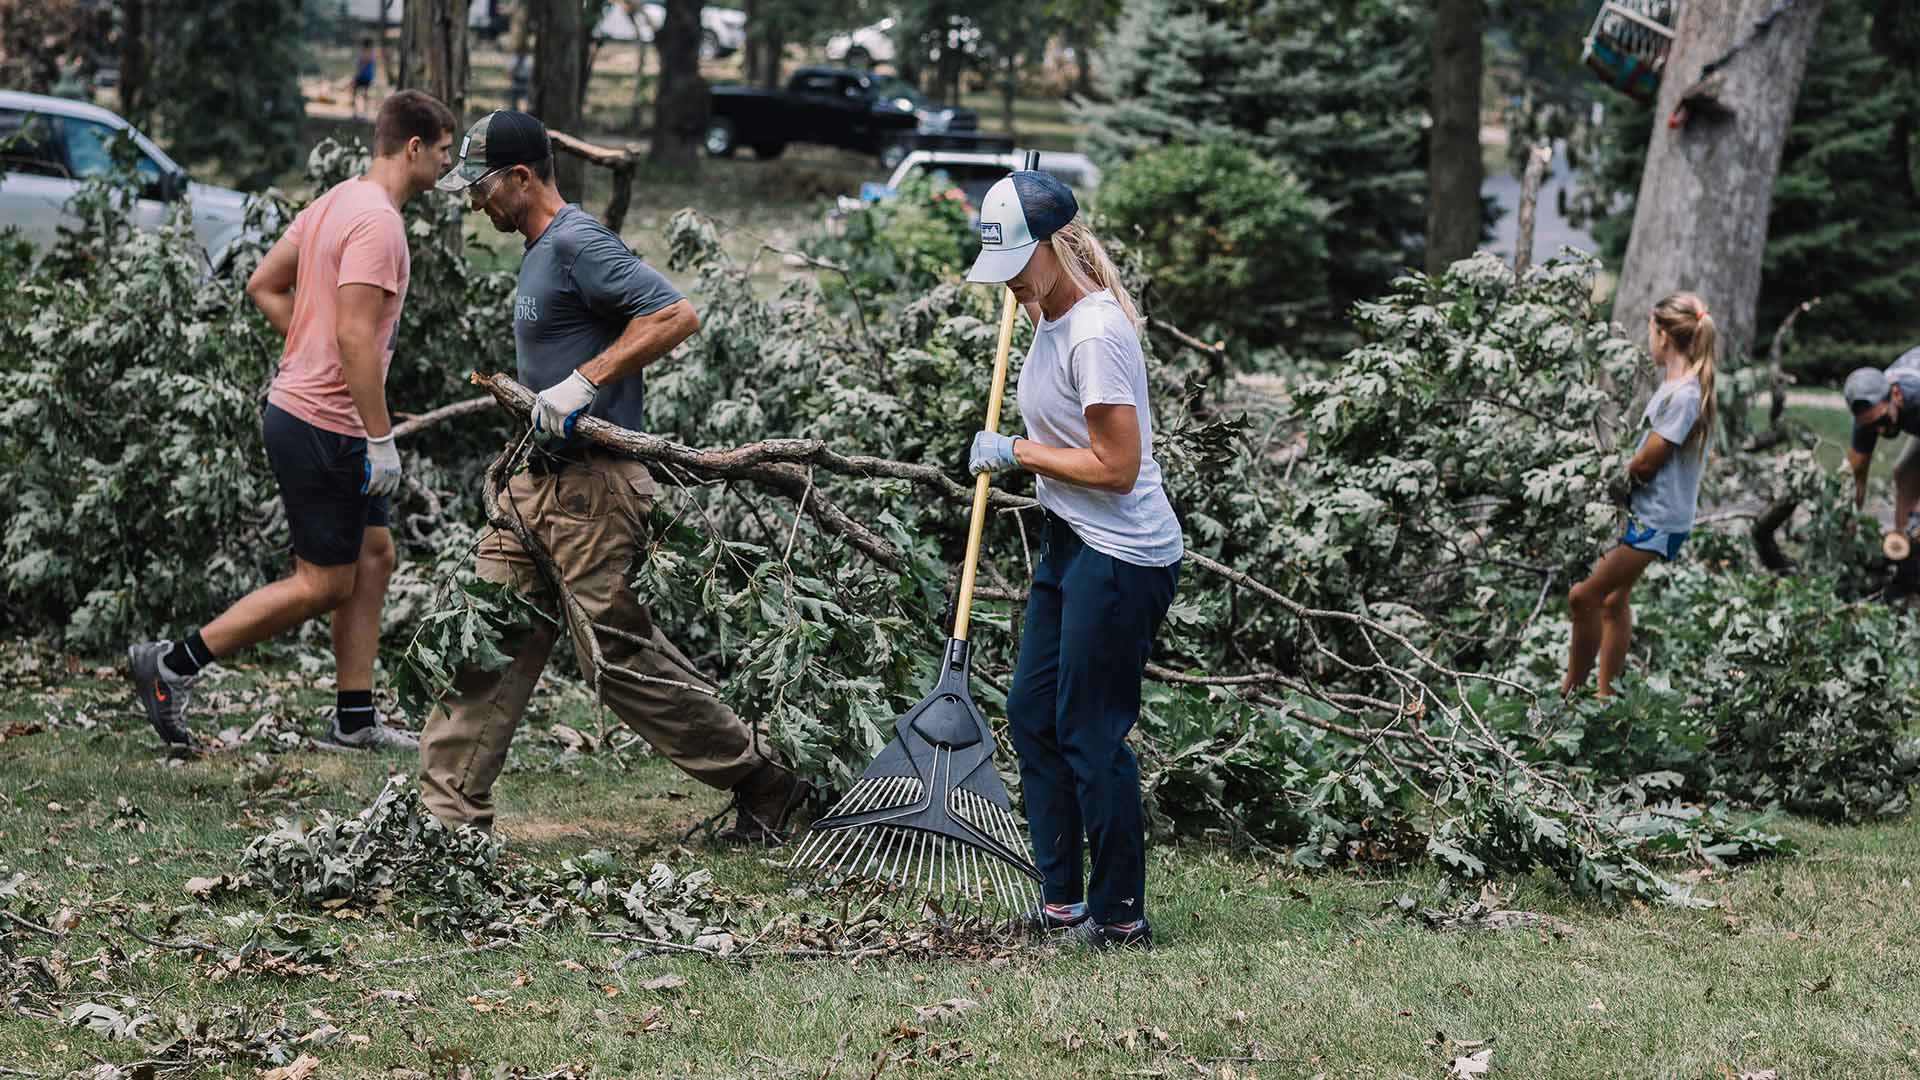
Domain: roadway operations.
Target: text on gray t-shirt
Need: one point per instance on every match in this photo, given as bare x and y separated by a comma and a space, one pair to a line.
580, 285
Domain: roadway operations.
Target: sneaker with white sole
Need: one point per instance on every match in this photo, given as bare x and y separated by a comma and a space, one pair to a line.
381, 736
164, 695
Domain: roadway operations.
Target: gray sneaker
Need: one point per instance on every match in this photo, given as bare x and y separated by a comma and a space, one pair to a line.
164, 696
381, 736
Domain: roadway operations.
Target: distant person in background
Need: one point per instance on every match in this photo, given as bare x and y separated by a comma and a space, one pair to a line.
520, 80
362, 78
1879, 401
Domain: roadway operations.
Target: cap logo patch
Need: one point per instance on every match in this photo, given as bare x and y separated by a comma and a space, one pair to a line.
464, 143
990, 233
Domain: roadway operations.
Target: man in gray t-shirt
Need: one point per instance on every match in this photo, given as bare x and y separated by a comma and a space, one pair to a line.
1885, 404
588, 317
581, 287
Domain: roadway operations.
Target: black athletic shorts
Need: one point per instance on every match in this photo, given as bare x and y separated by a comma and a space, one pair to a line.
320, 473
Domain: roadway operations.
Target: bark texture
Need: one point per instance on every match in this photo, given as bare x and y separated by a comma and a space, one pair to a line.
680, 106
559, 28
1453, 145
433, 52
1700, 221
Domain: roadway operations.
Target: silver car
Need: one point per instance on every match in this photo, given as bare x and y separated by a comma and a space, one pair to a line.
51, 146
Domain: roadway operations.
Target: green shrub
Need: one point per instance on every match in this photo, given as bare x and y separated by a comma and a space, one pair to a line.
1237, 244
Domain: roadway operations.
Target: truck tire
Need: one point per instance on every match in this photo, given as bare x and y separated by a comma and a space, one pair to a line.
769, 151
709, 45
893, 152
719, 139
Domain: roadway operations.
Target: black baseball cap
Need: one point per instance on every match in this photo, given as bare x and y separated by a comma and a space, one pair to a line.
500, 138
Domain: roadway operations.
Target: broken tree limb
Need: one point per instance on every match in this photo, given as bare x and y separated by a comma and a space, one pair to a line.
414, 424
620, 162
1764, 542
1537, 161
774, 463
1775, 433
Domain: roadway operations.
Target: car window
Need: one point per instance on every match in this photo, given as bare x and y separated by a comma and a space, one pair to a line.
89, 151
818, 84
26, 144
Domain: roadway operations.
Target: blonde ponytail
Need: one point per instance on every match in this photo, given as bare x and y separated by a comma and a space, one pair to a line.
1088, 266
1683, 317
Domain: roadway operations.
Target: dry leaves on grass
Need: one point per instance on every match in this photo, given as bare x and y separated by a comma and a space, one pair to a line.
942, 1012
302, 1067
1488, 912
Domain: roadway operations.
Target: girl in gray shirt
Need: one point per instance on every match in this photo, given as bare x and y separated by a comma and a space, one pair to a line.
1662, 483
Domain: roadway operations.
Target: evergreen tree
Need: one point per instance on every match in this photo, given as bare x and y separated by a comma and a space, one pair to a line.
1845, 224
1333, 94
226, 85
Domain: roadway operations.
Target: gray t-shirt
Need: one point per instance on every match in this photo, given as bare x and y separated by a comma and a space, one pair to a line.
580, 285
1667, 502
1905, 374
1091, 356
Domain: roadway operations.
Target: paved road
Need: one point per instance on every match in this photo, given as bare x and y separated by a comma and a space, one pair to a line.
1551, 230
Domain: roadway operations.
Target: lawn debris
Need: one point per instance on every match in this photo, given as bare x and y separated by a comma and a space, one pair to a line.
1487, 912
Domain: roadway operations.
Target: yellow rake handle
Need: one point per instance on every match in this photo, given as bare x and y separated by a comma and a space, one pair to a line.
981, 482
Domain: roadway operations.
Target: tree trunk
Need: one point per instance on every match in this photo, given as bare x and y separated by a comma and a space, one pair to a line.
637, 121
680, 103
433, 52
1453, 144
1082, 40
558, 26
133, 58
1700, 222
766, 42
1008, 89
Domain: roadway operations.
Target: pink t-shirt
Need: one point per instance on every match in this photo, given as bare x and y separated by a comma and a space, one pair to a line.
352, 235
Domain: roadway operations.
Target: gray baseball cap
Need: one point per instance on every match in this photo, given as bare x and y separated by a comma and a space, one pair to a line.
1865, 388
500, 138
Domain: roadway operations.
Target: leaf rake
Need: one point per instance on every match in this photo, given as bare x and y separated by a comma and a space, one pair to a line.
931, 814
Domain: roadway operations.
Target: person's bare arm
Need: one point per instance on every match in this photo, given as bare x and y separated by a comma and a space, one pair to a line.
271, 286
356, 327
1111, 464
646, 339
1651, 456
1861, 464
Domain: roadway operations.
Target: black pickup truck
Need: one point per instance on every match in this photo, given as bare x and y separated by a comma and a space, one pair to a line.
857, 110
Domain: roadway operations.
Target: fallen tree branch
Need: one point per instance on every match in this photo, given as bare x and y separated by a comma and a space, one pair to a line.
33, 926
414, 424
1764, 543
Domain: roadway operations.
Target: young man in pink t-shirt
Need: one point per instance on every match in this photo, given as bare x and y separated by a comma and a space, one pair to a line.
333, 285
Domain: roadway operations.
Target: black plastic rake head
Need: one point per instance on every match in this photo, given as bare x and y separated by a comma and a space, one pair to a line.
931, 813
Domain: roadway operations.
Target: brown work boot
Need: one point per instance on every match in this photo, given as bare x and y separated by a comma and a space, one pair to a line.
766, 799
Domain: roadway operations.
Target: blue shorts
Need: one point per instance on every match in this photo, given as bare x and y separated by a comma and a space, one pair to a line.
1647, 538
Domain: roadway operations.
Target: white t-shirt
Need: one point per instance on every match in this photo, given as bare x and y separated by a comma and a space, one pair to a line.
1091, 356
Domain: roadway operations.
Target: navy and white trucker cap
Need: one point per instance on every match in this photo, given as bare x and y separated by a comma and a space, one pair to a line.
1020, 211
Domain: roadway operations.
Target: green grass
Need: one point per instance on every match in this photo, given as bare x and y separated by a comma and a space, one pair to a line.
1807, 967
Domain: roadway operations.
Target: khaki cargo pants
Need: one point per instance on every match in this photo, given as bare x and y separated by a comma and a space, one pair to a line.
591, 516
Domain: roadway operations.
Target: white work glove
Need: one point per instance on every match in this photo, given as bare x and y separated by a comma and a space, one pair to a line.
383, 467
559, 406
992, 453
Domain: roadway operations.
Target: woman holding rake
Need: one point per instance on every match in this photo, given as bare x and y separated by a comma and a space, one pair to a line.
1110, 563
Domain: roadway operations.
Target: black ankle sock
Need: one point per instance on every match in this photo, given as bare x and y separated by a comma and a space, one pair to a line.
353, 710
189, 656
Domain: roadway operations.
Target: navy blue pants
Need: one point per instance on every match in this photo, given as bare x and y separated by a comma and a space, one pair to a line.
1076, 691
